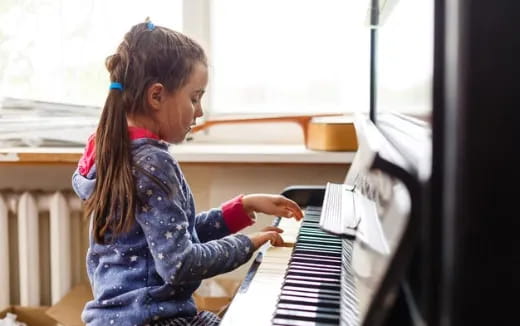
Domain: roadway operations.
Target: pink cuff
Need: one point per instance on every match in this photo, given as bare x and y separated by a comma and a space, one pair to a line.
235, 216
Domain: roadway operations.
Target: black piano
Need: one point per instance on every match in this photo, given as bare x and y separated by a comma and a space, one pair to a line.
434, 254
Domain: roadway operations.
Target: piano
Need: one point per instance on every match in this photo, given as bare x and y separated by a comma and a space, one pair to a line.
322, 278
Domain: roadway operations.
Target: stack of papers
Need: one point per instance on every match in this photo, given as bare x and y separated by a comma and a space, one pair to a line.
28, 123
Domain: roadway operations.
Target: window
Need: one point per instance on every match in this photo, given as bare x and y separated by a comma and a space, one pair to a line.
292, 56
405, 59
55, 50
265, 56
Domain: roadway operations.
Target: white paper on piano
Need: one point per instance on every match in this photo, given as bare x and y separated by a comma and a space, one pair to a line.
346, 211
338, 210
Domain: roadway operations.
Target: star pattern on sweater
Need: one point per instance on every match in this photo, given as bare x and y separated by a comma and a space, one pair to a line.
165, 227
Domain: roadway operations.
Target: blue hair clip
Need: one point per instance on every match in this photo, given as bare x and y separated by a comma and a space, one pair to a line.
115, 85
150, 26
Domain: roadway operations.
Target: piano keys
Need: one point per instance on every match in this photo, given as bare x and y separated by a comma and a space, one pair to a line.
305, 280
310, 292
268, 271
253, 303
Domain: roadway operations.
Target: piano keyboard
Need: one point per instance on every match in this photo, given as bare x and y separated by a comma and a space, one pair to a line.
301, 285
313, 291
254, 305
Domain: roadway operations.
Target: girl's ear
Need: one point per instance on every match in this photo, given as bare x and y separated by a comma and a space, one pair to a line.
154, 95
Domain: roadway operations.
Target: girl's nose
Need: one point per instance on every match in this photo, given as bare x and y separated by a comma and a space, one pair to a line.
198, 112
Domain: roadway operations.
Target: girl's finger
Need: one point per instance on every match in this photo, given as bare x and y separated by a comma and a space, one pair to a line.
295, 208
293, 213
278, 241
272, 228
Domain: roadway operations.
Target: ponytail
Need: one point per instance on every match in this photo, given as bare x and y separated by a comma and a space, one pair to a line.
112, 204
147, 54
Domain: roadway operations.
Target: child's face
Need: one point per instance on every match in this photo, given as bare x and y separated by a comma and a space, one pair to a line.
180, 109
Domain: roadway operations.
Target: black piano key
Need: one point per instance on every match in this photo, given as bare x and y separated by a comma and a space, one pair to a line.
309, 289
313, 232
315, 251
318, 255
322, 274
306, 301
308, 255
303, 268
308, 315
294, 322
322, 248
323, 244
312, 266
317, 285
322, 280
314, 319
328, 264
308, 308
310, 237
334, 296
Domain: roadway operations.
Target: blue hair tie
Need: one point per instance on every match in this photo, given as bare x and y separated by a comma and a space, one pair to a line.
115, 85
150, 26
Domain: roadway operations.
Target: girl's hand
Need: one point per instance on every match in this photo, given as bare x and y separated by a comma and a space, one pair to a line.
270, 233
272, 204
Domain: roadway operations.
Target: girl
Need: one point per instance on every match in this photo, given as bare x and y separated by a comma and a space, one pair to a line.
148, 250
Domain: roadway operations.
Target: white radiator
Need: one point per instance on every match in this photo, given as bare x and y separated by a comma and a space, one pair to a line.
25, 209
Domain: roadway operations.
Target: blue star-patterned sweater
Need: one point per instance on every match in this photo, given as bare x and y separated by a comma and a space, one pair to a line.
151, 272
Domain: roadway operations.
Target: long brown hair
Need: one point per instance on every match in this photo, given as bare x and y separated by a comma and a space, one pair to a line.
148, 54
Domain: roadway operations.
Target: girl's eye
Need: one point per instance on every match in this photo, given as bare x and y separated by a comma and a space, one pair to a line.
194, 100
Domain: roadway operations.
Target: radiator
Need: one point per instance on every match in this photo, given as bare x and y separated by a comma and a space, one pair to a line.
41, 246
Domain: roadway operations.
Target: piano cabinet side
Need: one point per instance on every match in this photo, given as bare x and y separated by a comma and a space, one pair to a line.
305, 195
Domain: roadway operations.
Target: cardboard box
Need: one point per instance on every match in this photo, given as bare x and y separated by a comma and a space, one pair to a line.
32, 316
215, 294
67, 311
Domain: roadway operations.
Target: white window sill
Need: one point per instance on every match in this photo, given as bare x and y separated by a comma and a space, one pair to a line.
256, 153
194, 153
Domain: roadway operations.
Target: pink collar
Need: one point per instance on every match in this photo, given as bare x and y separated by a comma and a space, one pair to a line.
137, 132
87, 160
